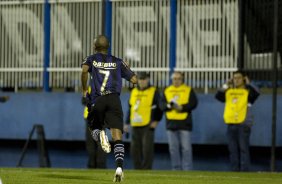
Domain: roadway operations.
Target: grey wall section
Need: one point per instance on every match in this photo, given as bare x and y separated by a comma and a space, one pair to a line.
61, 115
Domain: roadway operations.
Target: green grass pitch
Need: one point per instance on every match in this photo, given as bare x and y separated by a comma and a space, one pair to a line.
80, 176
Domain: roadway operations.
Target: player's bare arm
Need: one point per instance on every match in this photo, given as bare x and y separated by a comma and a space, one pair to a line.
133, 79
84, 79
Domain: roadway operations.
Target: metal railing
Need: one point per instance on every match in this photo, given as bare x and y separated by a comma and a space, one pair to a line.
207, 41
206, 35
140, 34
258, 41
74, 26
21, 46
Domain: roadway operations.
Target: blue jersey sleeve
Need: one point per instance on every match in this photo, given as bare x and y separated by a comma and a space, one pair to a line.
126, 72
87, 61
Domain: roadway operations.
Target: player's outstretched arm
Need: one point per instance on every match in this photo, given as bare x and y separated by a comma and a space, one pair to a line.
84, 79
127, 73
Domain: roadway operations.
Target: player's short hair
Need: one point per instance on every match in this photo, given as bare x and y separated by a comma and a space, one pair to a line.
101, 43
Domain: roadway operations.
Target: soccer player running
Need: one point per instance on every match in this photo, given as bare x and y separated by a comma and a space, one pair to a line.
106, 73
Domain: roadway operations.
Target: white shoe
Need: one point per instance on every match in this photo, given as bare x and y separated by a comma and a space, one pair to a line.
118, 175
106, 146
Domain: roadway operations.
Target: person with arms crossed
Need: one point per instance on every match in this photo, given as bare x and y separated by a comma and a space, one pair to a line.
238, 95
179, 100
143, 116
106, 73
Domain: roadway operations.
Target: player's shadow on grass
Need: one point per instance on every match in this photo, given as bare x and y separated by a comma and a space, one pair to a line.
64, 176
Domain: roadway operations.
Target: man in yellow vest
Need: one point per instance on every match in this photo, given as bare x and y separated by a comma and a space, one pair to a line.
143, 116
97, 158
238, 95
179, 100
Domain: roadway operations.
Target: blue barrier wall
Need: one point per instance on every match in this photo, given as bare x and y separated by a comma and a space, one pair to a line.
61, 115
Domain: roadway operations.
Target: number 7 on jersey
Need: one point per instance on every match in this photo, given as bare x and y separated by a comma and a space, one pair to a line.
106, 73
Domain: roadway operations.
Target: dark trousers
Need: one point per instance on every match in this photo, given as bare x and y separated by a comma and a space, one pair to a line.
96, 156
142, 147
238, 144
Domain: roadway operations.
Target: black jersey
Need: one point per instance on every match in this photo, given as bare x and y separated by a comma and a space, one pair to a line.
106, 73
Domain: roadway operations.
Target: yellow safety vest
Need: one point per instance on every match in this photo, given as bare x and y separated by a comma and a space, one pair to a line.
85, 113
236, 104
141, 106
180, 95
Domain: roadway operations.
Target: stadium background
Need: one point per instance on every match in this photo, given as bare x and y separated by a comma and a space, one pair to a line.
43, 43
